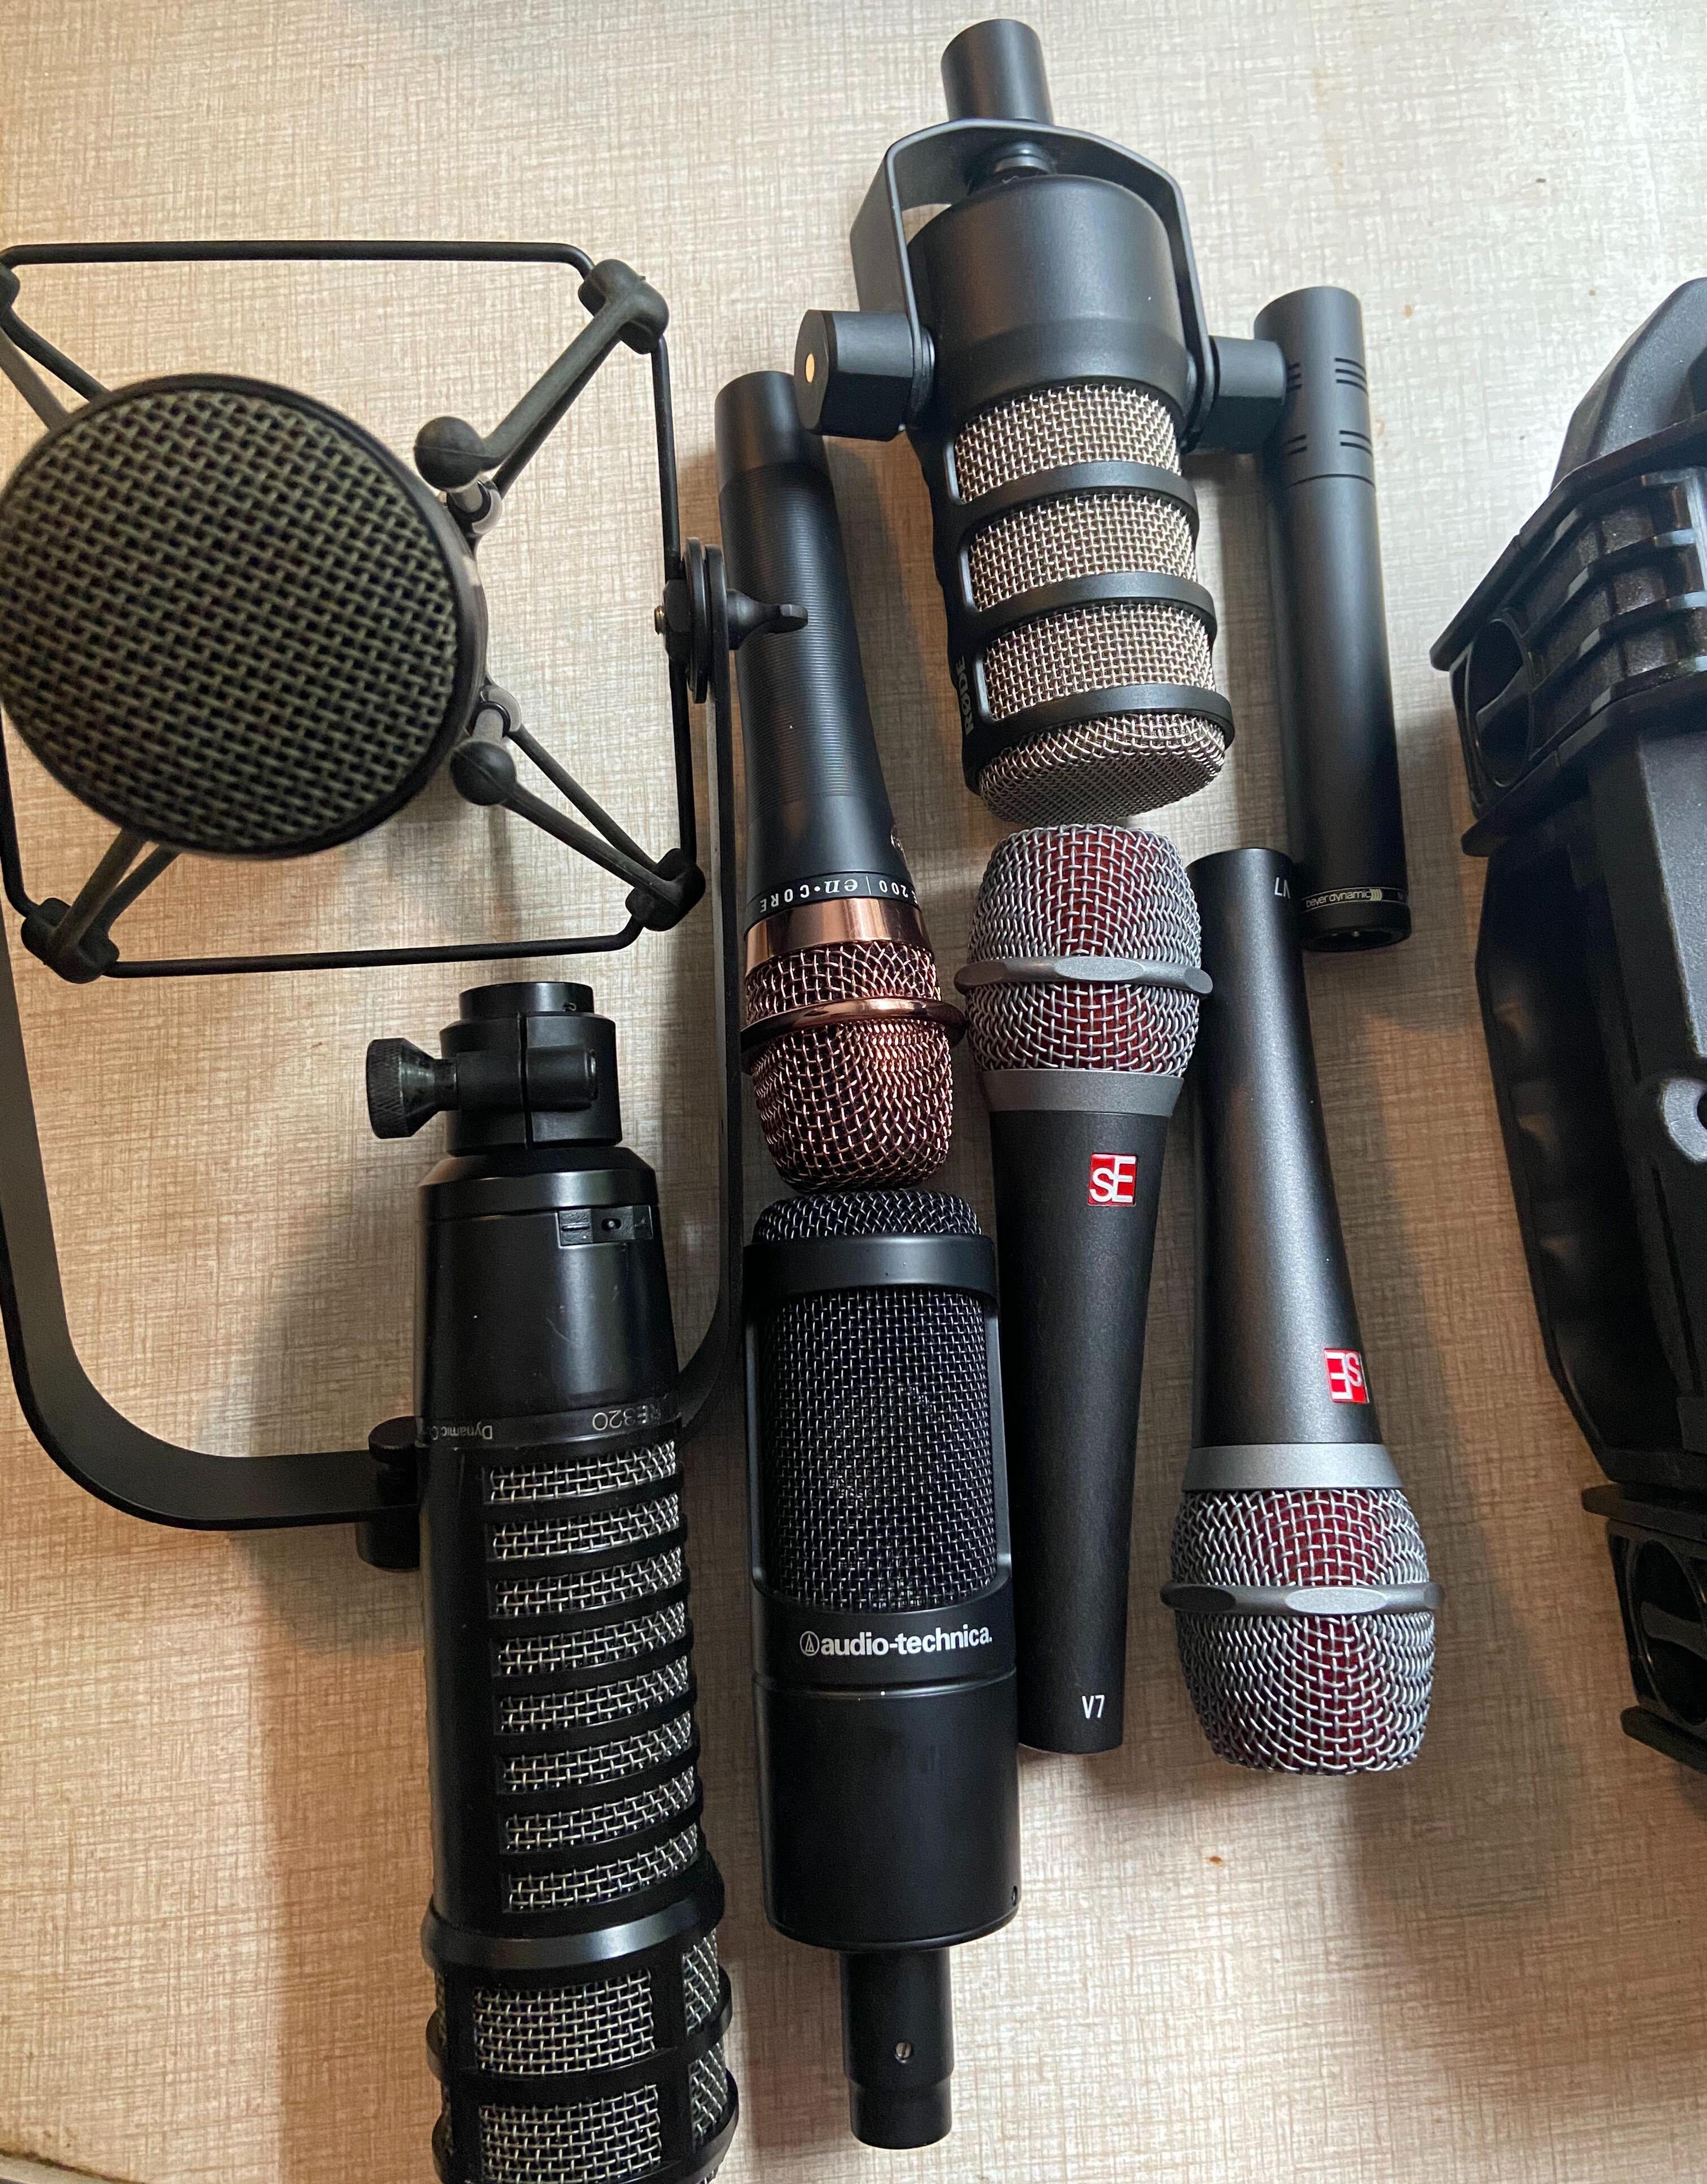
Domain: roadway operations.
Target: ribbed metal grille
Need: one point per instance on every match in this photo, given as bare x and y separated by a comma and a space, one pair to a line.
587, 1535
584, 1593
707, 2092
1077, 421
874, 1445
1107, 891
701, 1988
1092, 534
607, 1882
224, 618
1107, 768
539, 1771
1318, 1694
600, 1647
549, 2033
593, 2142
851, 1103
574, 1482
527, 1833
1095, 648
545, 1713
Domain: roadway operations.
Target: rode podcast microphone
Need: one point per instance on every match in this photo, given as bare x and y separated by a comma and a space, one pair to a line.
1305, 1614
573, 1928
883, 1623
846, 1035
1041, 336
1082, 990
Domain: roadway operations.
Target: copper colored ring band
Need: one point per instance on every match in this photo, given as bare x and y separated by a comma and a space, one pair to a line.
825, 924
870, 1008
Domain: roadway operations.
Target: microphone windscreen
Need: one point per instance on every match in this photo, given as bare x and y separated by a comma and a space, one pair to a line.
848, 1103
1306, 1694
876, 1469
1084, 891
230, 620
1122, 761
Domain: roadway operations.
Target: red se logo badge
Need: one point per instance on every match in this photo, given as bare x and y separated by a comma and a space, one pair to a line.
1114, 1179
1345, 1380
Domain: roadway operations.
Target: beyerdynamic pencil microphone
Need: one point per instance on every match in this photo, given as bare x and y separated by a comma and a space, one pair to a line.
883, 1647
1300, 1581
1083, 992
846, 1035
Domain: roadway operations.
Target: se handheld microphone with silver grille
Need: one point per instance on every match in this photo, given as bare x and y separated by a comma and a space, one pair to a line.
846, 1035
1299, 1578
883, 1646
1083, 991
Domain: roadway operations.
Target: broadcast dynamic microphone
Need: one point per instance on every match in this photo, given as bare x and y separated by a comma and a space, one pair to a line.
1082, 990
847, 1034
573, 1929
883, 1647
1300, 1581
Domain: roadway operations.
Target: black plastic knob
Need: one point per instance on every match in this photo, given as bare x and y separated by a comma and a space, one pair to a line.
856, 376
406, 1088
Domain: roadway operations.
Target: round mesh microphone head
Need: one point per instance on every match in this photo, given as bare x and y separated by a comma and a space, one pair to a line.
1306, 1694
1088, 891
230, 620
851, 1103
876, 1463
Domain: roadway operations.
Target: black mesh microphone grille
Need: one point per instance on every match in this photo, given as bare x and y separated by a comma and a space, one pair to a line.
876, 1464
229, 619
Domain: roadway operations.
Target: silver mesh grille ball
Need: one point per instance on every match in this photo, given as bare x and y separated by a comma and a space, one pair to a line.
851, 1103
1098, 890
230, 620
1309, 1694
1119, 762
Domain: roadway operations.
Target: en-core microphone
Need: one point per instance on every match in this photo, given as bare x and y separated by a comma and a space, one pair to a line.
846, 1035
579, 2029
883, 1643
1300, 1580
1083, 991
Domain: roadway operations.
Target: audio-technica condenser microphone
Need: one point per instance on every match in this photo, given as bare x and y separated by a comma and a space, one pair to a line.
1083, 991
579, 2030
1299, 1578
847, 1034
883, 1648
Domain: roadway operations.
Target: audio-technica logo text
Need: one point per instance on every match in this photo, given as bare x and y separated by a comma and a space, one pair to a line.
867, 1645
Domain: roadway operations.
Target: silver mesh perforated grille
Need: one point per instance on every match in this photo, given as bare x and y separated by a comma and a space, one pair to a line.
1077, 421
874, 1445
851, 1103
600, 1647
544, 1714
1104, 769
1317, 1694
707, 2092
587, 1535
527, 1833
584, 1593
224, 618
550, 2033
1096, 647
613, 1762
1109, 891
701, 1989
1090, 534
604, 1883
592, 2142
574, 1482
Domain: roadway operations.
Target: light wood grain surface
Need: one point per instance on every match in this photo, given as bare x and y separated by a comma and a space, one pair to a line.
213, 1802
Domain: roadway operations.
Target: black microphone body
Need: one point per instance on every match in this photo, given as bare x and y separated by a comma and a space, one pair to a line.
883, 1647
572, 1929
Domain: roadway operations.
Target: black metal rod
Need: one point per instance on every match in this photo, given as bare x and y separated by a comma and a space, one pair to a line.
380, 959
95, 894
565, 784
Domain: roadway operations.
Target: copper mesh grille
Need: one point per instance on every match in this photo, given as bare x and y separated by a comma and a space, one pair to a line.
1078, 421
1109, 891
1316, 1694
851, 1103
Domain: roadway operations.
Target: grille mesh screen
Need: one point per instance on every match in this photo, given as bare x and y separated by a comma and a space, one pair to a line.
526, 2032
707, 2092
868, 1103
587, 1535
598, 1648
1106, 768
1092, 534
607, 1882
1111, 891
574, 1482
539, 1771
593, 2142
1095, 648
1315, 1695
874, 1424
226, 620
1077, 421
584, 1593
529, 1832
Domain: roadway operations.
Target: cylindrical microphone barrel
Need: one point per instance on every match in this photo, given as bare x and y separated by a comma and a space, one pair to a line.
883, 1649
1083, 991
994, 72
847, 1034
1344, 825
1300, 1581
578, 2036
